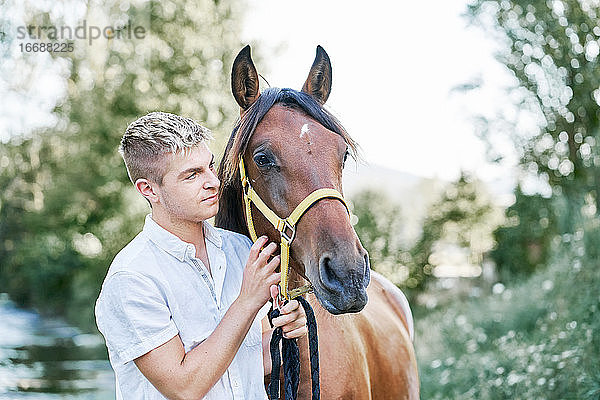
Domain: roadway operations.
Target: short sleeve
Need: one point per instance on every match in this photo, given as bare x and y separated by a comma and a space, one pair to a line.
133, 315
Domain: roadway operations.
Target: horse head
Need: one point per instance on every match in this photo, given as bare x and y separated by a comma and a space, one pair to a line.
292, 146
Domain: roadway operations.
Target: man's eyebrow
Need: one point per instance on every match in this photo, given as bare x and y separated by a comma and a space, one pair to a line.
190, 170
198, 170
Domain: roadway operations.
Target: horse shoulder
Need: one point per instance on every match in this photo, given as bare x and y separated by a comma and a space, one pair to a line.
382, 287
343, 356
367, 355
387, 329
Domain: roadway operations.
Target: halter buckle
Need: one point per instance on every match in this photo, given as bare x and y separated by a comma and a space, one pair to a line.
287, 227
292, 294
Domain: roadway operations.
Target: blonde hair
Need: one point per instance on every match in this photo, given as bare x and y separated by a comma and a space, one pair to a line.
149, 139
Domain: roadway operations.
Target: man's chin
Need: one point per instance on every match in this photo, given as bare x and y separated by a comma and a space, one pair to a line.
212, 210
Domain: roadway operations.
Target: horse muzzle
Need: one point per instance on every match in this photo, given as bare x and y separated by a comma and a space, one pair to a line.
342, 282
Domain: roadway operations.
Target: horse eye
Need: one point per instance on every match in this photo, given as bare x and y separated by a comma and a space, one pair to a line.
262, 160
345, 157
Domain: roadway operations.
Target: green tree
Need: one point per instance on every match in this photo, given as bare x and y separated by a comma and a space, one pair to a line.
379, 227
464, 217
552, 49
524, 242
66, 205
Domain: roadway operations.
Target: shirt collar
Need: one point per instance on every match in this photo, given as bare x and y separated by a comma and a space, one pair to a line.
212, 234
172, 244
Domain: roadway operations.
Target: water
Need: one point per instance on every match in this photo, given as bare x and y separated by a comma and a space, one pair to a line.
47, 359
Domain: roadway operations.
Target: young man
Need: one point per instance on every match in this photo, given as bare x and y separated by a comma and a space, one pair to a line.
182, 303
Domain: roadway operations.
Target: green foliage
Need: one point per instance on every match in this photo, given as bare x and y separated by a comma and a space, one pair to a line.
537, 339
379, 228
552, 49
463, 217
524, 242
66, 205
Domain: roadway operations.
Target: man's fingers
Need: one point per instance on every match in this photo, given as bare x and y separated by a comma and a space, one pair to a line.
294, 319
296, 333
273, 264
274, 291
255, 249
265, 254
290, 306
292, 326
274, 279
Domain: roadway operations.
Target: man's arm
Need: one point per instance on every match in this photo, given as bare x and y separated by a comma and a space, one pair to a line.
267, 332
178, 375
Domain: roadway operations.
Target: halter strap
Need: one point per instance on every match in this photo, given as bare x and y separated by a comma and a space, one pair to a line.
285, 226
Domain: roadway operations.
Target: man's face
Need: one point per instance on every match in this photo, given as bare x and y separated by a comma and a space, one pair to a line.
190, 186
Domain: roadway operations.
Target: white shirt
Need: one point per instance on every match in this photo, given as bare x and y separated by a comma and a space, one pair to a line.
156, 289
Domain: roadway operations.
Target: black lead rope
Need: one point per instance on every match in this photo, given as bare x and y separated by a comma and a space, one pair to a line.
291, 358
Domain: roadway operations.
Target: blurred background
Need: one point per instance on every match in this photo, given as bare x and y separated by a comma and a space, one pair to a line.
477, 194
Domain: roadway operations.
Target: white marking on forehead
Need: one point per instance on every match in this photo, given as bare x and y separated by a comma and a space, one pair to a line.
304, 130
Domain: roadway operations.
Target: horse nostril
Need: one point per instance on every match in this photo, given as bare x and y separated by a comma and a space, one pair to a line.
328, 275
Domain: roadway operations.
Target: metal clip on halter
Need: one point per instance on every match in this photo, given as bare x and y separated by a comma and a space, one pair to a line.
284, 235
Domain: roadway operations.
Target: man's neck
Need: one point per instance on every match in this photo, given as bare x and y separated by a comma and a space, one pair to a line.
188, 231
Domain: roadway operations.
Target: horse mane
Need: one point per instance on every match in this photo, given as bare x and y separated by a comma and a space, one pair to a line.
230, 215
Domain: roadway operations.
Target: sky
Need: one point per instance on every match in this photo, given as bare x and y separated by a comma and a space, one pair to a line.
395, 65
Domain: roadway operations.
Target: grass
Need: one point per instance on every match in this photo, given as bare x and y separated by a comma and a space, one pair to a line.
538, 339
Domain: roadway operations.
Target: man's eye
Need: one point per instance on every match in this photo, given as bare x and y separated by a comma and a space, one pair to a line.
191, 176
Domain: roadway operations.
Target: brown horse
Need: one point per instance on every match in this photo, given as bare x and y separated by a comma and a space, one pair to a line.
292, 146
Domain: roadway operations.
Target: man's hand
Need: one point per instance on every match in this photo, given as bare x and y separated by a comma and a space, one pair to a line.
259, 274
292, 319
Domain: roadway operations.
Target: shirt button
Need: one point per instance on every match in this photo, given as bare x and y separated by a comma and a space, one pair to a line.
235, 383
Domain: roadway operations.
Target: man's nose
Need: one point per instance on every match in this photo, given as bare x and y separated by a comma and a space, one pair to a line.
213, 181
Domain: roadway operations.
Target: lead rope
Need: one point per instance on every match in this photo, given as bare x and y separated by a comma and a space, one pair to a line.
291, 358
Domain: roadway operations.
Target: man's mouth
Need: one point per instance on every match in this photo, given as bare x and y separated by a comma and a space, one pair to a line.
210, 199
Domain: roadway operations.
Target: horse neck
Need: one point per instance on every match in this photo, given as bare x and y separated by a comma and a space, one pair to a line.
231, 213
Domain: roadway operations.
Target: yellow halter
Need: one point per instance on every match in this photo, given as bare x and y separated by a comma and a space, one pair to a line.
286, 227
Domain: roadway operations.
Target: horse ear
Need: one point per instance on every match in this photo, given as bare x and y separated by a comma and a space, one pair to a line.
244, 79
318, 83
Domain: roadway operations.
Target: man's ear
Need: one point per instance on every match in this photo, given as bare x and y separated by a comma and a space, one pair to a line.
147, 189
